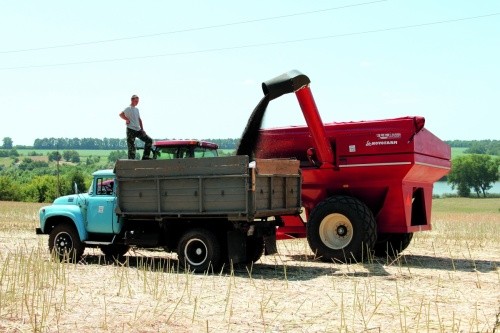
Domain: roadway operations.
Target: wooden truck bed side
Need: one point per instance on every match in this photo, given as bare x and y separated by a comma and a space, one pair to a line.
211, 187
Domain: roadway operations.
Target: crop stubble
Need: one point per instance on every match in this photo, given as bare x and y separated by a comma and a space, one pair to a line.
446, 281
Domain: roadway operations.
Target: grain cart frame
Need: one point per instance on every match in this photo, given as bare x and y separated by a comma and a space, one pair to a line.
367, 185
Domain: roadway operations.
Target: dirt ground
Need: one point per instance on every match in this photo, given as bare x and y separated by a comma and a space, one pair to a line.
441, 283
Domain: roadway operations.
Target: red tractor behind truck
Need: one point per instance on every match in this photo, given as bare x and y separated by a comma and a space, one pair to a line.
366, 186
177, 148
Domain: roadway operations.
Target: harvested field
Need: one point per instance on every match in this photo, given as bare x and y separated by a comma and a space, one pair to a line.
448, 280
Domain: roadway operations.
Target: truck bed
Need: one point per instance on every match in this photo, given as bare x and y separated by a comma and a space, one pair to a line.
209, 187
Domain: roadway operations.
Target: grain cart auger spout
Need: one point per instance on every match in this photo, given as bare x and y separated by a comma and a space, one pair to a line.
291, 82
366, 185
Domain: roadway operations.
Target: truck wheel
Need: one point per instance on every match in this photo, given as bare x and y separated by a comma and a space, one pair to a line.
255, 249
65, 243
198, 250
115, 252
391, 244
341, 228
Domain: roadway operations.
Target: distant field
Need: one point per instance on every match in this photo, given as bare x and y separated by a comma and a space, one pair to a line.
455, 152
42, 155
85, 153
7, 161
466, 205
82, 153
227, 151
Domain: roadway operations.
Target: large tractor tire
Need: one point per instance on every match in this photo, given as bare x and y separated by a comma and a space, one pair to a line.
65, 243
199, 250
391, 244
341, 229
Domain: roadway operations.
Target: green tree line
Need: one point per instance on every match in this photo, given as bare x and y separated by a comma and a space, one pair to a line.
488, 147
95, 143
26, 178
29, 178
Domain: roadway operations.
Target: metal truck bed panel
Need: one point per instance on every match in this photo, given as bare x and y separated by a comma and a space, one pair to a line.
186, 195
277, 192
211, 166
222, 186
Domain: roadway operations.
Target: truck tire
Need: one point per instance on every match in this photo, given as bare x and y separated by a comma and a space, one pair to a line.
199, 250
115, 252
255, 249
65, 244
391, 244
343, 229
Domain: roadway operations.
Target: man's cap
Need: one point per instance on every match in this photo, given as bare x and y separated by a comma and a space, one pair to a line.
134, 96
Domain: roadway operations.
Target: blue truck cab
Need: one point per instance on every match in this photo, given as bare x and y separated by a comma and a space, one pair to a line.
88, 212
83, 219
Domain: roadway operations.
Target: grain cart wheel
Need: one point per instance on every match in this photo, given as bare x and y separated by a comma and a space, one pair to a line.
341, 228
391, 244
199, 250
255, 248
115, 252
65, 243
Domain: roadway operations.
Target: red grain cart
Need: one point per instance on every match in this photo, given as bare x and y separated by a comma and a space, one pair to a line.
366, 186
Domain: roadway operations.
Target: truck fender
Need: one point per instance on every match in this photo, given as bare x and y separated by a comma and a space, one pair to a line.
70, 212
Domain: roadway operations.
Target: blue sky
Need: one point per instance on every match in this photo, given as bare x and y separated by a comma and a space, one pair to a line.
68, 68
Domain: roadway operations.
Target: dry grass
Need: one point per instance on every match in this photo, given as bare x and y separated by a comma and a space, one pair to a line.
446, 281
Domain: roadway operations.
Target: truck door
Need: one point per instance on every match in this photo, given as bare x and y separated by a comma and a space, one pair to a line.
101, 217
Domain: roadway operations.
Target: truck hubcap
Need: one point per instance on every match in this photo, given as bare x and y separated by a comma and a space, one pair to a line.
336, 231
63, 243
341, 230
195, 252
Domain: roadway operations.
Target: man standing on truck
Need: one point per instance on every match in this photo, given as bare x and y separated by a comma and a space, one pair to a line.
135, 129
